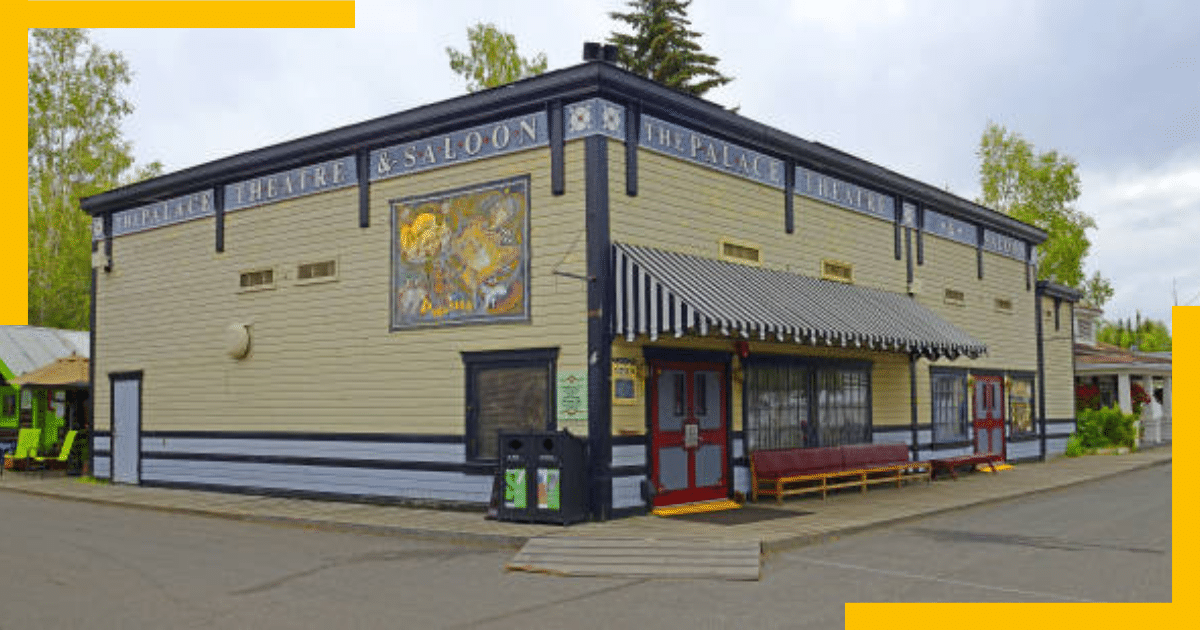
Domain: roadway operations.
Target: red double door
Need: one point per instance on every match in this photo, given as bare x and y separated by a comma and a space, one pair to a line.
689, 432
988, 405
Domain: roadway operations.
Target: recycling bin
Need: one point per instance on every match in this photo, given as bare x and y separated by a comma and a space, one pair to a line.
543, 477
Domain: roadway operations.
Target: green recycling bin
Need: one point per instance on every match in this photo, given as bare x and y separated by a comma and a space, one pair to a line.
542, 478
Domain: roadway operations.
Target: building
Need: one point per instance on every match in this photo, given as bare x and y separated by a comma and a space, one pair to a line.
1116, 373
358, 312
40, 384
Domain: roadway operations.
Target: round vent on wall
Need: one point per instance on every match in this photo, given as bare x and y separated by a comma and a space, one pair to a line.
237, 340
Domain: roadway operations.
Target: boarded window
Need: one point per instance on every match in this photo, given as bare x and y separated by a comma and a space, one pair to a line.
740, 253
260, 278
507, 391
837, 271
316, 270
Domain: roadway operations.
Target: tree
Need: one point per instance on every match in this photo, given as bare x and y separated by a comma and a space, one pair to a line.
663, 48
1097, 291
1149, 335
1040, 189
76, 149
493, 59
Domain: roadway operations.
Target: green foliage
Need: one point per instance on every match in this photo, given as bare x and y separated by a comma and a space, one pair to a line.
1100, 428
1148, 335
493, 59
663, 48
1097, 291
76, 149
1074, 447
1040, 189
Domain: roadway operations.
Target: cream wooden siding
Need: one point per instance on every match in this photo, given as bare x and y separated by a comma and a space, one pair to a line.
1010, 336
1058, 349
687, 208
322, 357
889, 378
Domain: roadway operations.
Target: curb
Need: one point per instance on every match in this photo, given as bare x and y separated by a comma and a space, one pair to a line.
805, 540
495, 541
513, 542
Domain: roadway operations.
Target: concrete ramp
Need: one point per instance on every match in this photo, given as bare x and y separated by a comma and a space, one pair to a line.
640, 558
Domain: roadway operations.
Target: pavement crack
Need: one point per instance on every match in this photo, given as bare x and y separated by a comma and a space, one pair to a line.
542, 606
934, 578
436, 555
1039, 542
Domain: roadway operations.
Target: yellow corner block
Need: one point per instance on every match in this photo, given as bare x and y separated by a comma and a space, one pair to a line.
696, 508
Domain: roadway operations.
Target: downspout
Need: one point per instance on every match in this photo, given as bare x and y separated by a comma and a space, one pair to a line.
1041, 369
912, 397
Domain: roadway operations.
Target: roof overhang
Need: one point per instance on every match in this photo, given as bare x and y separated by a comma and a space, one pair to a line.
666, 293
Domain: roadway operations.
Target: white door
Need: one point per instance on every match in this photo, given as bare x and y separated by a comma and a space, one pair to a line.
126, 429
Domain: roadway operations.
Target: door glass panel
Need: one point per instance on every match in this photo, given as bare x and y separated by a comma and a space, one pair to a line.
708, 390
997, 439
708, 465
981, 438
670, 392
672, 469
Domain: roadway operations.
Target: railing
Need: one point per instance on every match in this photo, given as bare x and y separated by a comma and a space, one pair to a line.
1155, 430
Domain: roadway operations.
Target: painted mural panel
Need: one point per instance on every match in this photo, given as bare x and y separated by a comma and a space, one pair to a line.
461, 256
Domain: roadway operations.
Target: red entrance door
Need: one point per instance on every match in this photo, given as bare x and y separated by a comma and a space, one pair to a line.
689, 432
989, 415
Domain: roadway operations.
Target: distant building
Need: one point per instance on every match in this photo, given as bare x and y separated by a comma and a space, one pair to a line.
1114, 371
43, 381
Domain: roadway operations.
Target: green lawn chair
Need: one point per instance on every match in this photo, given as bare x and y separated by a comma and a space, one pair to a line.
63, 453
27, 443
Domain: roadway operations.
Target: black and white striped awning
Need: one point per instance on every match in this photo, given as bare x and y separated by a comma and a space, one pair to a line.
666, 293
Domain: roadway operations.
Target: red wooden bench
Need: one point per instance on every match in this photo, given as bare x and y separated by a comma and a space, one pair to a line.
791, 471
952, 464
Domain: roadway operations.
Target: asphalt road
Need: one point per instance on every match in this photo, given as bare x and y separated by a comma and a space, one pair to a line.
78, 565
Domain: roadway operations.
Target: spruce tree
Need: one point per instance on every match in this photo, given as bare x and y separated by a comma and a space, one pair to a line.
663, 47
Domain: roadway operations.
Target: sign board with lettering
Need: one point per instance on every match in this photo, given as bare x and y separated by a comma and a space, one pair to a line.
571, 393
681, 142
299, 182
844, 194
483, 141
177, 210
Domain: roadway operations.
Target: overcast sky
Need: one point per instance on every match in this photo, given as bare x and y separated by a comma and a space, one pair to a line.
908, 85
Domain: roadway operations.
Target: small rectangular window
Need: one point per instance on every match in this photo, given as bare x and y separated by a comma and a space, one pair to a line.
10, 405
837, 271
324, 270
257, 279
737, 252
955, 297
1004, 305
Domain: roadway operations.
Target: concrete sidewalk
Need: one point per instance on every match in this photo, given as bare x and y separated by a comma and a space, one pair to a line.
796, 522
